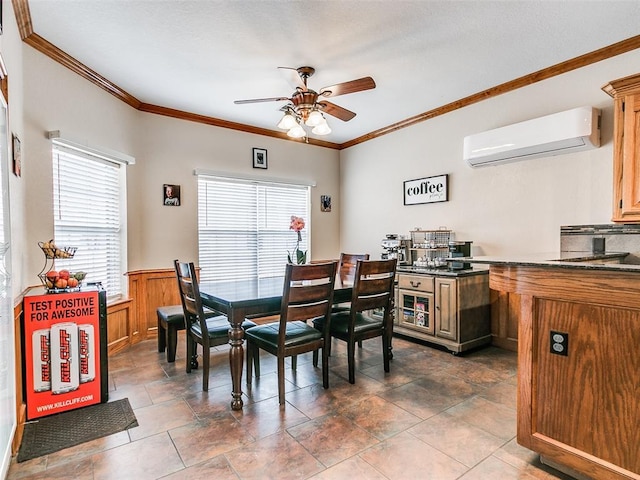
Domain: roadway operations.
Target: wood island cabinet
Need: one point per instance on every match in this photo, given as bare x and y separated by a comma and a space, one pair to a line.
626, 145
578, 367
451, 311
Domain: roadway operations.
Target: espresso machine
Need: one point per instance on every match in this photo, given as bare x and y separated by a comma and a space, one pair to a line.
394, 247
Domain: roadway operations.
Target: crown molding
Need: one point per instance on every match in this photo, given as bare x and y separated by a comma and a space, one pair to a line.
563, 67
25, 27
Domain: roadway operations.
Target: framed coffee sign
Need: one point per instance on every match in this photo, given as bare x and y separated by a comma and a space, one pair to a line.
426, 190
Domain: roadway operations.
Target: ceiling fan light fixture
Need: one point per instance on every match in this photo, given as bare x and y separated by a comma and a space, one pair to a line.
297, 131
287, 122
314, 119
322, 129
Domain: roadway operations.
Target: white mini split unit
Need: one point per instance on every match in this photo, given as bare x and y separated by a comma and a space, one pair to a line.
565, 132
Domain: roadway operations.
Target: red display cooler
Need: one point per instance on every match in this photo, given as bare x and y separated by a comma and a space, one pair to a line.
65, 350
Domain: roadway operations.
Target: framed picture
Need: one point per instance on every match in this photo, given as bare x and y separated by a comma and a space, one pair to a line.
325, 203
259, 158
17, 157
171, 195
426, 190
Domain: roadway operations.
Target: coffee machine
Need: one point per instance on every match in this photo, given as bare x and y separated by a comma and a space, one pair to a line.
459, 249
394, 247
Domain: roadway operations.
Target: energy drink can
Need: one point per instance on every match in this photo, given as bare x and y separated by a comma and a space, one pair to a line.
65, 371
41, 360
87, 355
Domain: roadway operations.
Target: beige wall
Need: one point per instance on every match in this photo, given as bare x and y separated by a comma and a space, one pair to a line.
171, 149
511, 208
166, 151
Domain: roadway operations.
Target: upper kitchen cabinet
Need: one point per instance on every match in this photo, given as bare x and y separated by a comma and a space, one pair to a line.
626, 144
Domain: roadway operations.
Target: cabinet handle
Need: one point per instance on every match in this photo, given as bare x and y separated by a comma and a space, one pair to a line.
414, 285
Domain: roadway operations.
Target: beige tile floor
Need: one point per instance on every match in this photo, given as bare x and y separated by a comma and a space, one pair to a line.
434, 416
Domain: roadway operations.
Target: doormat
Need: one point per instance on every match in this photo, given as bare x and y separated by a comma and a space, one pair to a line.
50, 434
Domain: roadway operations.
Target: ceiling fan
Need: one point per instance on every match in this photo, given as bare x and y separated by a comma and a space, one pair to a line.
308, 106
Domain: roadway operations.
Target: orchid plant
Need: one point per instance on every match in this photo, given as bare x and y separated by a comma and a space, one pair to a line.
297, 224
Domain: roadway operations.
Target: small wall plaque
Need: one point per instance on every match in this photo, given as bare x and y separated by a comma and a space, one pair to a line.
426, 190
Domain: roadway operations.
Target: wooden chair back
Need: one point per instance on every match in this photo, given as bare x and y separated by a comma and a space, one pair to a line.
190, 298
373, 286
307, 293
348, 261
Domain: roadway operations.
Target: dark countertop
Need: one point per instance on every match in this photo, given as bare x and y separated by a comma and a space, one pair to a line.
571, 260
444, 271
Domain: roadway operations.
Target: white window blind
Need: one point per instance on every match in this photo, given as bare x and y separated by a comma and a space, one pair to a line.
243, 227
87, 193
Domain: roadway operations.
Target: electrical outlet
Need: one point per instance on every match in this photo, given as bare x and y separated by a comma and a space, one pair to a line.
559, 343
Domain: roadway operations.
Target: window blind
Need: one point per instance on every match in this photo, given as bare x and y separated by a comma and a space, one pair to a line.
87, 215
243, 227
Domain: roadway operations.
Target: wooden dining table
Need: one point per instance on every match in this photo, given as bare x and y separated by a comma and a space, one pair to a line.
240, 299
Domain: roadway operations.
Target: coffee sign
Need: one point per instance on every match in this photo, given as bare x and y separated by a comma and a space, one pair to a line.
426, 190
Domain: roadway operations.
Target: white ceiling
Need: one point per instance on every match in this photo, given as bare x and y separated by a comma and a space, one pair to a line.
200, 55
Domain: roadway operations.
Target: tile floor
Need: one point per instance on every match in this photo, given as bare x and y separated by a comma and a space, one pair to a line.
434, 416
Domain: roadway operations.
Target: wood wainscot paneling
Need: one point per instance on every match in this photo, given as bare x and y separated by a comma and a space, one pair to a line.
119, 321
21, 406
150, 289
505, 309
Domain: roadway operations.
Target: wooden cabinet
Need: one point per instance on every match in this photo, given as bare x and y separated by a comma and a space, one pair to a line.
447, 308
578, 367
451, 311
626, 148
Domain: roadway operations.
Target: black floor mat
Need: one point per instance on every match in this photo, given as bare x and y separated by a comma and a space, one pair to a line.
63, 430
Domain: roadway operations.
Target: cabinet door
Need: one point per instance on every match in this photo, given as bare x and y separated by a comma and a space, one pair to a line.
446, 308
415, 311
630, 152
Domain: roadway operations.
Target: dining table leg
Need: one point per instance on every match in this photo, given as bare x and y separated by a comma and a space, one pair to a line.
236, 357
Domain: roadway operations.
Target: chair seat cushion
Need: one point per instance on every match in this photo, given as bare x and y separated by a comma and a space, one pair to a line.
297, 333
171, 314
340, 323
218, 326
175, 314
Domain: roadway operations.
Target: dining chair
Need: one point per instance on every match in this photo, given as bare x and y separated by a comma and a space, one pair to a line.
373, 288
347, 267
201, 328
307, 294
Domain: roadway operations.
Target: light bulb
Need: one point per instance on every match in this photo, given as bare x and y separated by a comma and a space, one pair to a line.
297, 132
322, 129
287, 122
315, 118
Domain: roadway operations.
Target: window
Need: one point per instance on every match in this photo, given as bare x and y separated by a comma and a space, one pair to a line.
243, 227
89, 213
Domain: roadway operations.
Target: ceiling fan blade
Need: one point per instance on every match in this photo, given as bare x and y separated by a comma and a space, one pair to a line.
260, 100
336, 111
293, 78
365, 83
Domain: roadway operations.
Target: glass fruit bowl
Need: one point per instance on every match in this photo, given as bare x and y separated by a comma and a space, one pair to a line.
62, 281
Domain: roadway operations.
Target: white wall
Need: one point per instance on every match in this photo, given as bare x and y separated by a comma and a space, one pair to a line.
511, 208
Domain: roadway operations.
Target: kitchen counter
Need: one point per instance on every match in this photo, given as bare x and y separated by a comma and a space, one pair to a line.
565, 260
445, 272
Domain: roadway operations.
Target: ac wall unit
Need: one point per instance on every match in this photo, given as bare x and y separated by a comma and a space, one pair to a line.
565, 132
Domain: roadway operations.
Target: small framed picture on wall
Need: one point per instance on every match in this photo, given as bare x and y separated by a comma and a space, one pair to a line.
259, 158
325, 203
171, 195
17, 156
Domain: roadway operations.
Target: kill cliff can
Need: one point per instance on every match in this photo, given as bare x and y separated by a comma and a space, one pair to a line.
65, 372
41, 360
87, 355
